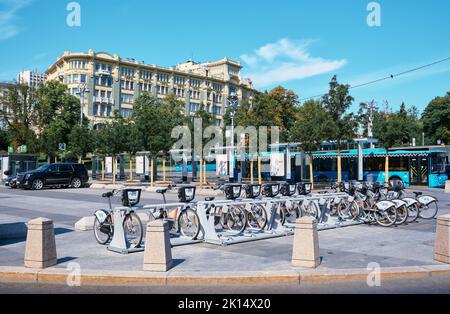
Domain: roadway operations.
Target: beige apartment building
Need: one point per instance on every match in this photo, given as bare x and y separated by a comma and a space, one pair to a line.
106, 82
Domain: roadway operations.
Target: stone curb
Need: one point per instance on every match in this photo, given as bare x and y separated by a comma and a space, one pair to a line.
292, 276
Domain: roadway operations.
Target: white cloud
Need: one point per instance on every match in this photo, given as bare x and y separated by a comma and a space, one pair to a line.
8, 17
286, 60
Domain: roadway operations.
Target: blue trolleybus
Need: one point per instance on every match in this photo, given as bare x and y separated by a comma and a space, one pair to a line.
413, 167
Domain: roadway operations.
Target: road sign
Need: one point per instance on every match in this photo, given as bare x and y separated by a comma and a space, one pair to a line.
22, 149
10, 149
62, 146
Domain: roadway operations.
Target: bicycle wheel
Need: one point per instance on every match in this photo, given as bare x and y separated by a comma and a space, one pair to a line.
312, 210
354, 210
364, 212
189, 224
343, 210
132, 227
402, 215
386, 218
413, 212
257, 217
333, 209
291, 215
235, 219
429, 211
101, 236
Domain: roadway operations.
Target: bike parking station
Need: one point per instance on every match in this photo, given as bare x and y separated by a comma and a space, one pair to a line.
120, 243
252, 212
212, 227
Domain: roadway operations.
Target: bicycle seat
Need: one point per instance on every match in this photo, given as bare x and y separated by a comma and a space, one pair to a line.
418, 193
108, 194
162, 190
209, 199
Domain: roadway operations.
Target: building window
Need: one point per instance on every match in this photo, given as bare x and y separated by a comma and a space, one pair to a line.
78, 64
195, 83
216, 109
127, 98
127, 71
162, 77
194, 107
126, 113
179, 80
102, 110
145, 75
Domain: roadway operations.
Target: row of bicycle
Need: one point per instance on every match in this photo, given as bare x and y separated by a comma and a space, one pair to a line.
368, 199
251, 207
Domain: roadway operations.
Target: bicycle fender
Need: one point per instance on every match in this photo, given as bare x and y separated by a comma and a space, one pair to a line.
398, 203
384, 205
409, 201
101, 215
427, 200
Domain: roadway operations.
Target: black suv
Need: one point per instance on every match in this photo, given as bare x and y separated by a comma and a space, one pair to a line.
64, 174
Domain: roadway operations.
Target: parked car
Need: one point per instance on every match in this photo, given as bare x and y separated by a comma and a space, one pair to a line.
62, 174
10, 181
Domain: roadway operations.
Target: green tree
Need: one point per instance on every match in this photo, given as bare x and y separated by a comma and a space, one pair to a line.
64, 120
286, 109
20, 100
396, 128
154, 120
4, 140
80, 140
436, 120
50, 98
310, 129
342, 125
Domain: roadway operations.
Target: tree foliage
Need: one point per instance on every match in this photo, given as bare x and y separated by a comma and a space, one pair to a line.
436, 120
311, 127
4, 140
336, 102
392, 128
154, 120
20, 100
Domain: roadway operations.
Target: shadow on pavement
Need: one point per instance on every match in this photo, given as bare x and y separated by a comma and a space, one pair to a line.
16, 232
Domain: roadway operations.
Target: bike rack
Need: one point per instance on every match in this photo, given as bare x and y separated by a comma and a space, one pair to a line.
208, 232
213, 236
119, 243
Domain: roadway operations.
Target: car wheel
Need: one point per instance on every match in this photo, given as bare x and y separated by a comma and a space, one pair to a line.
76, 183
38, 184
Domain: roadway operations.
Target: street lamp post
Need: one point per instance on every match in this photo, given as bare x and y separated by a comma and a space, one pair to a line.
233, 102
82, 89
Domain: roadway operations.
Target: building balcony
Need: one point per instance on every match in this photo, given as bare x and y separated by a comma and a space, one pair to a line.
104, 100
103, 72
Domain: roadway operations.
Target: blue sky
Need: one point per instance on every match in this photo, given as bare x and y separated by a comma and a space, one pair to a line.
298, 44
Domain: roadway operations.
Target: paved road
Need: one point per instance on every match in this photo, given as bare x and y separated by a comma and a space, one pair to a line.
63, 206
431, 285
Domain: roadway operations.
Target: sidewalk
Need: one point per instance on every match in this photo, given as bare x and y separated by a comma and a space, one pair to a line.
400, 251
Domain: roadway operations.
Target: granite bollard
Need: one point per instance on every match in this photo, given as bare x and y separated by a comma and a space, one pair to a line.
158, 250
442, 242
305, 252
40, 250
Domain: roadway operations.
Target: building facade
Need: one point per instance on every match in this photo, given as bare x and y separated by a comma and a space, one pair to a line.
31, 78
113, 83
